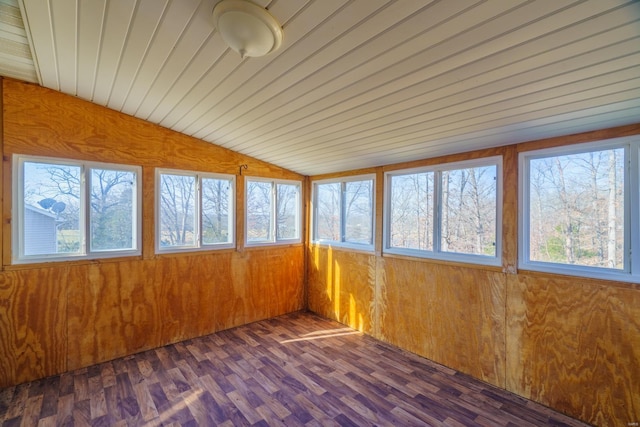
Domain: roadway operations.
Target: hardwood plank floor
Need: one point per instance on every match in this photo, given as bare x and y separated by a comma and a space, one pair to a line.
294, 370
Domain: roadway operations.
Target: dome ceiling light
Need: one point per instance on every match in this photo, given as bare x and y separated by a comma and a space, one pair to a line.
247, 28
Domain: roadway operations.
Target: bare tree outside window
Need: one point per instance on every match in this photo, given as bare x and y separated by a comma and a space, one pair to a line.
576, 209
112, 214
358, 200
469, 210
177, 210
273, 211
54, 188
343, 211
328, 211
216, 215
287, 217
258, 211
411, 211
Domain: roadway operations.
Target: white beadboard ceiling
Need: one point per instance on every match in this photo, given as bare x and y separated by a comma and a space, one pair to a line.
355, 84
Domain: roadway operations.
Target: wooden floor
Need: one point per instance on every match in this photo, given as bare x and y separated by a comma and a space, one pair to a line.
297, 369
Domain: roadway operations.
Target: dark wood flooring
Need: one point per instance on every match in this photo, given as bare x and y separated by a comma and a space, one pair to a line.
293, 370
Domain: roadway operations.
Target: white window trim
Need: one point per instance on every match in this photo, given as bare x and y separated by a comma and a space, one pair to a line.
273, 220
631, 246
17, 211
198, 246
343, 244
436, 254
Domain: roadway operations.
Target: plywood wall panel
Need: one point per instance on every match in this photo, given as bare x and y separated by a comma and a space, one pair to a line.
451, 314
67, 315
33, 325
570, 343
113, 310
574, 344
342, 285
63, 126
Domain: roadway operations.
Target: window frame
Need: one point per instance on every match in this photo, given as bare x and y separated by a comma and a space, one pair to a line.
314, 213
273, 221
84, 224
198, 246
437, 253
631, 233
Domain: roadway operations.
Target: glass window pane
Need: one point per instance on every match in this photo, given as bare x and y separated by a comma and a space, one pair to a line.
358, 202
287, 212
327, 219
469, 211
112, 214
258, 211
576, 209
217, 218
51, 209
411, 224
177, 210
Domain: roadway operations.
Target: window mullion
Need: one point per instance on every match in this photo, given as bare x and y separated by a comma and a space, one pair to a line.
85, 209
343, 211
274, 212
437, 211
198, 212
632, 176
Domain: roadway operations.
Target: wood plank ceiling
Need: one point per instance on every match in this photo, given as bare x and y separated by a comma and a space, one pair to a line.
356, 83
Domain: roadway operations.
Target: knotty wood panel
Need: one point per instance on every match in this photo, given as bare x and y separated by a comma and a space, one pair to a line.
60, 316
574, 344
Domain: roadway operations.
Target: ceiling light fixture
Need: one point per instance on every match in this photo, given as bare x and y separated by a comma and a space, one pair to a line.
247, 28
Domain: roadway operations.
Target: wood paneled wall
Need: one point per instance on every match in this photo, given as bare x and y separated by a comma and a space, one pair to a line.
56, 317
568, 342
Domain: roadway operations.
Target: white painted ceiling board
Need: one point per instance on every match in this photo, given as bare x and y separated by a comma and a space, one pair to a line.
147, 18
90, 26
175, 22
15, 53
246, 69
356, 83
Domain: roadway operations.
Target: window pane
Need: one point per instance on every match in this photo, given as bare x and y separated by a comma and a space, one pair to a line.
177, 210
359, 212
51, 209
469, 213
411, 224
328, 211
258, 211
216, 216
576, 209
112, 213
287, 213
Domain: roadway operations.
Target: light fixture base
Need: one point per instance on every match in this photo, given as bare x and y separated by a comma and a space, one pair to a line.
247, 28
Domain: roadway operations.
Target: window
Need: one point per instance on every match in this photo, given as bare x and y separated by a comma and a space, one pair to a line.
68, 209
273, 211
449, 211
195, 210
343, 211
577, 205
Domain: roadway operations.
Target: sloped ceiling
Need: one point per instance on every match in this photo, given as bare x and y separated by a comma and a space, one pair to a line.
356, 83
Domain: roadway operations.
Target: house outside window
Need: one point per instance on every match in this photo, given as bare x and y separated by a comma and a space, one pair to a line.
67, 209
